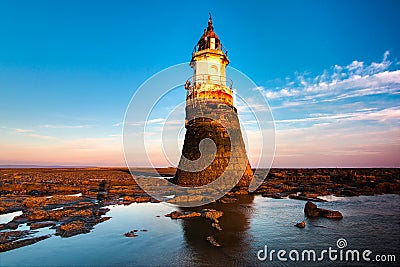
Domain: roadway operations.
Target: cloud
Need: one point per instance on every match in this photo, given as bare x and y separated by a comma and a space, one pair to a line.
356, 67
140, 123
60, 126
339, 82
346, 116
360, 115
156, 121
40, 136
116, 135
282, 93
29, 133
19, 130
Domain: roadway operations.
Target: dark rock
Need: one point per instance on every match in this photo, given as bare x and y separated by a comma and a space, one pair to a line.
301, 224
183, 215
11, 225
103, 219
21, 243
72, 228
227, 200
312, 211
128, 200
141, 199
277, 196
131, 233
212, 240
216, 226
211, 214
240, 190
38, 215
37, 225
102, 211
306, 198
35, 193
349, 193
153, 200
272, 195
330, 214
20, 219
9, 236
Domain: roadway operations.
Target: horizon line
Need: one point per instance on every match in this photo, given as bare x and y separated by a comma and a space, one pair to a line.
34, 166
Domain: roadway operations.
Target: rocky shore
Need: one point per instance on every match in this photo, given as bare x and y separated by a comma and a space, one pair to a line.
72, 201
308, 184
69, 201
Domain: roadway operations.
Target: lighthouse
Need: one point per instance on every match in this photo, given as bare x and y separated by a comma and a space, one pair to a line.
213, 144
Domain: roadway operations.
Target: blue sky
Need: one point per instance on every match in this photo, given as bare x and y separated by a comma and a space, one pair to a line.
328, 68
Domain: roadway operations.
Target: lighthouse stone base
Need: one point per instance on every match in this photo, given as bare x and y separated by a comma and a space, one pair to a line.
215, 120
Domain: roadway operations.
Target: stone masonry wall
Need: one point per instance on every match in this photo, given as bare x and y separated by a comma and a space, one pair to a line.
199, 126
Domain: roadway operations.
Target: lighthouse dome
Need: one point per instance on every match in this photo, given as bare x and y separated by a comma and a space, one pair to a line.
209, 39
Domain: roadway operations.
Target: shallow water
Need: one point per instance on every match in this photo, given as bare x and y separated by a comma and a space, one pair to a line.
370, 222
7, 217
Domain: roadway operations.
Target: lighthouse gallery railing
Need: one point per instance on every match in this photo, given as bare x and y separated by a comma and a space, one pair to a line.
208, 79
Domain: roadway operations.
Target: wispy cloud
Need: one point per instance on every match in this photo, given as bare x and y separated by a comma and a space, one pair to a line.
61, 126
41, 136
357, 91
363, 114
158, 121
346, 116
19, 130
29, 133
339, 82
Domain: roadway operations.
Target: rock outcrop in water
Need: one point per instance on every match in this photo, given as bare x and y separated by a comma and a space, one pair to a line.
131, 233
312, 211
301, 224
183, 214
213, 242
21, 243
212, 214
209, 214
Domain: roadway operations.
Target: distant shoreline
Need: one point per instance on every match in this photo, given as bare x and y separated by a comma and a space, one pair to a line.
23, 166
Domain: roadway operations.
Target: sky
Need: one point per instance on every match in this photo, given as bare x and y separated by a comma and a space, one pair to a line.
330, 71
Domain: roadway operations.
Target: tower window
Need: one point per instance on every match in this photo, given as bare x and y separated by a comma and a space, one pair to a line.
212, 43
